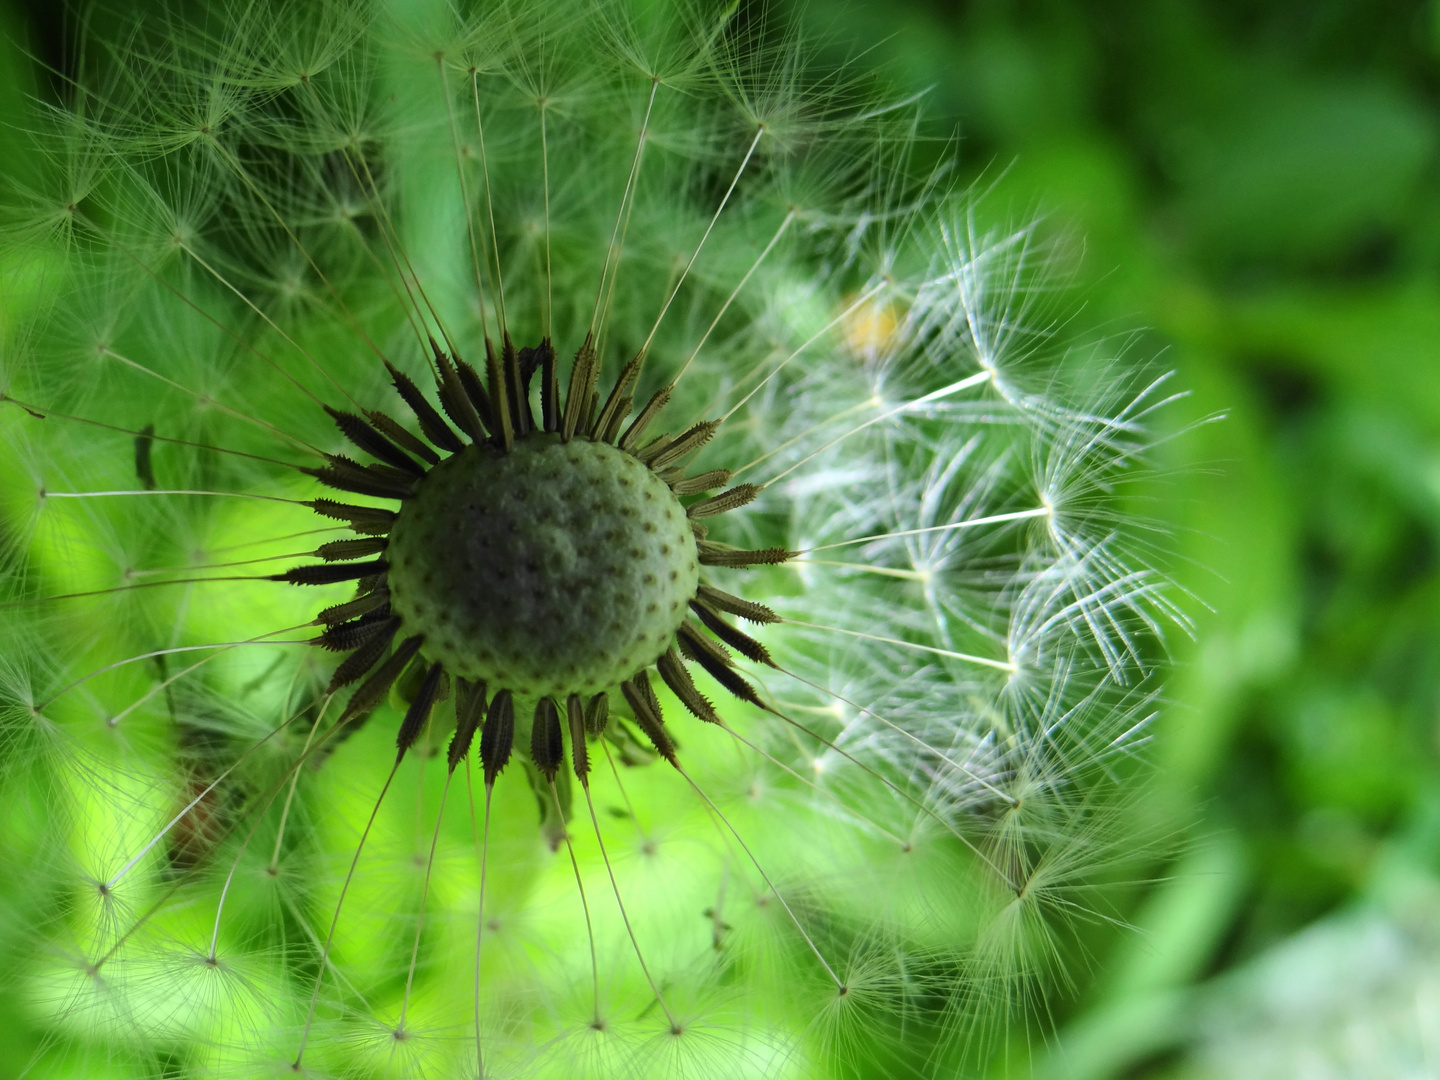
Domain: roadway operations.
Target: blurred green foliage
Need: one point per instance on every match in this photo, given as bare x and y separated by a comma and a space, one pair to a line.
1257, 183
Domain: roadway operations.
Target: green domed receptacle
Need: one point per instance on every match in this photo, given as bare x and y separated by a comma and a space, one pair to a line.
553, 568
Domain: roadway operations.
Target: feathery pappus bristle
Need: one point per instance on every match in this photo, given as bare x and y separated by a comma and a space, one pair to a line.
538, 542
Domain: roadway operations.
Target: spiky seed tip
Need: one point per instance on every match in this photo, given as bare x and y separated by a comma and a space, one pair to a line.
455, 401
686, 444
419, 712
547, 742
516, 387
329, 573
549, 386
363, 519
497, 737
374, 442
352, 609
342, 474
499, 389
435, 428
617, 405
673, 671
636, 431
611, 428
712, 554
391, 429
342, 637
579, 752
642, 680
340, 550
475, 390
734, 605
701, 482
738, 640
582, 384
470, 707
712, 657
374, 689
726, 501
597, 715
647, 714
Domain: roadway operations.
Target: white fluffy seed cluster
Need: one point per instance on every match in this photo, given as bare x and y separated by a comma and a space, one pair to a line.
222, 228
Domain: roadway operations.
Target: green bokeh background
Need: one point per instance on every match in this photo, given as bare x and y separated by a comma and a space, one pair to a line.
1255, 184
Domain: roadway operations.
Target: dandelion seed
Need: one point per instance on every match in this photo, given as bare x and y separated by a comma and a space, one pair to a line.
605, 405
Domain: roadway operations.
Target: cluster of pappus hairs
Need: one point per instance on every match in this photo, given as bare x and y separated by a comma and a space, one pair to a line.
242, 246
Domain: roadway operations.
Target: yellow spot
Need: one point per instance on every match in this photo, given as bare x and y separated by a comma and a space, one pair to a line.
870, 327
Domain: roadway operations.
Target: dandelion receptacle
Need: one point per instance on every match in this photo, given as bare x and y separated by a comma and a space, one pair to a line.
539, 542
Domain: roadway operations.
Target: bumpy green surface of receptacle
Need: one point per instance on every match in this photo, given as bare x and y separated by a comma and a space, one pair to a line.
553, 568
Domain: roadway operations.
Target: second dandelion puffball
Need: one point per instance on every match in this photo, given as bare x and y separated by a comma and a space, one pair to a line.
553, 568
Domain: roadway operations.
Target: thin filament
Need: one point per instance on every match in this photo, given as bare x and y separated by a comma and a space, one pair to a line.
839, 984
645, 348
205, 399
785, 224
624, 915
489, 206
480, 926
335, 920
465, 198
624, 201
934, 395
993, 519
584, 904
424, 895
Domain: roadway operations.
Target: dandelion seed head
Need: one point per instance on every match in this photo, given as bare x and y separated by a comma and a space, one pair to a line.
318, 795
